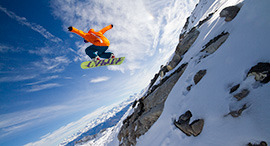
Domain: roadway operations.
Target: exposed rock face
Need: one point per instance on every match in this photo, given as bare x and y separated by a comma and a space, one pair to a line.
148, 110
215, 43
199, 75
195, 128
261, 71
230, 12
183, 47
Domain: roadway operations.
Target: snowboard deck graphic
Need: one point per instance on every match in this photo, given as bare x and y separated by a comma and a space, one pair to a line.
104, 62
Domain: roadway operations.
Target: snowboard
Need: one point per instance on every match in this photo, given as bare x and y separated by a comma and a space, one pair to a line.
104, 62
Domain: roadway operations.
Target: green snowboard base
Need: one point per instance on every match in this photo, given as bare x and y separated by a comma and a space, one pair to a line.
105, 62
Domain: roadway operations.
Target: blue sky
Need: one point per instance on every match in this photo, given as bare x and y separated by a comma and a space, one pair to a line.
43, 89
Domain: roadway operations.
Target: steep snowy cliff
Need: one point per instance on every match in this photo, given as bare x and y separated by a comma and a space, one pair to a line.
215, 88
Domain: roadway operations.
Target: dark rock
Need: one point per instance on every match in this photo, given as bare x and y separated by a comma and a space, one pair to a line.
215, 43
242, 94
184, 127
189, 87
183, 47
199, 75
262, 143
261, 71
238, 113
185, 117
164, 70
204, 20
186, 25
134, 103
153, 80
230, 12
195, 128
234, 88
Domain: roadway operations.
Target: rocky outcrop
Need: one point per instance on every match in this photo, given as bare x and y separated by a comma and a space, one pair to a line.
183, 47
197, 78
212, 46
199, 75
230, 12
261, 72
215, 43
186, 40
204, 20
195, 128
148, 110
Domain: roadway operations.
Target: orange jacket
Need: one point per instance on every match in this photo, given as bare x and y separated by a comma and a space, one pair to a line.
96, 38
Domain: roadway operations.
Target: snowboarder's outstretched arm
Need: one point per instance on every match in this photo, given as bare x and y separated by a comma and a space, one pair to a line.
103, 30
75, 30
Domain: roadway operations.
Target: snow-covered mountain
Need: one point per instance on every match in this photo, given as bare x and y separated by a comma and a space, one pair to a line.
215, 88
106, 120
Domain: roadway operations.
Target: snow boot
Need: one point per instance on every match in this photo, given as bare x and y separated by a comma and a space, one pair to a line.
112, 56
96, 58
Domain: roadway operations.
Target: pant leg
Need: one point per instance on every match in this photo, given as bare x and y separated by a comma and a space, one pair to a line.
91, 51
101, 52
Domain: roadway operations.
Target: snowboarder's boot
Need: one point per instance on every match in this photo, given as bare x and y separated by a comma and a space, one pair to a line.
96, 58
112, 56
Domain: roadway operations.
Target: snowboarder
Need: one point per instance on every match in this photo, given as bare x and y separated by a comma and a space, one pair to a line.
99, 42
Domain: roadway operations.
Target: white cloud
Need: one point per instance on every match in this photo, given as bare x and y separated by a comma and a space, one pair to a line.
14, 122
38, 28
99, 79
35, 88
60, 134
7, 48
17, 78
44, 80
56, 64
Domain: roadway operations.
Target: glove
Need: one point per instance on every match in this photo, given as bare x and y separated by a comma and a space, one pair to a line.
112, 25
70, 28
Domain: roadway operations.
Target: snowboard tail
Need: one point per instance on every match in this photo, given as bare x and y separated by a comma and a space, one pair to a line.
105, 62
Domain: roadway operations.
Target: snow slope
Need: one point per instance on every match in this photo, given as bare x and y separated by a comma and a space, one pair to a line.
210, 99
